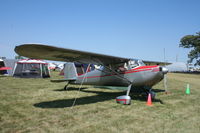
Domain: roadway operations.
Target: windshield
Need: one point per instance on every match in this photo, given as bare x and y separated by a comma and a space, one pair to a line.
133, 63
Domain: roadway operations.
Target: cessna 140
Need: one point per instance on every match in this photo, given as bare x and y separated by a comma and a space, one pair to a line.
114, 71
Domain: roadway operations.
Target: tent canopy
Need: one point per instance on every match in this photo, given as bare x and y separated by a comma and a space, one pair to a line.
31, 68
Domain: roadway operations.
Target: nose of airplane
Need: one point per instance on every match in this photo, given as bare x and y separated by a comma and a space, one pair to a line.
164, 70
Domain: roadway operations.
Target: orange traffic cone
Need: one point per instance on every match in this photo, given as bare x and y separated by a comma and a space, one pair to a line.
149, 102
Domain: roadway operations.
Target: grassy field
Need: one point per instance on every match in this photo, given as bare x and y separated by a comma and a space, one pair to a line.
37, 105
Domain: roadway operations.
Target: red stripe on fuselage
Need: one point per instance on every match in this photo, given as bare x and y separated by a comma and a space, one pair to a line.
138, 69
143, 67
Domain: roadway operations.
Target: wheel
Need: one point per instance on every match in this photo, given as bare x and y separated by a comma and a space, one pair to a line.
65, 88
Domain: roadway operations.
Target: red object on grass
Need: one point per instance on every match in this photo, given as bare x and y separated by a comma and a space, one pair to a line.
5, 68
149, 102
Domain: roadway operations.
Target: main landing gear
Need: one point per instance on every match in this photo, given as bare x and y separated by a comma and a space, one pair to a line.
125, 99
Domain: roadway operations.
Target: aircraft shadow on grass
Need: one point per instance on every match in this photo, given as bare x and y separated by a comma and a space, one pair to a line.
100, 97
70, 89
3, 76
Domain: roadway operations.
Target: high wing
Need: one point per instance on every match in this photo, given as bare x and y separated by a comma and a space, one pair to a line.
39, 51
46, 52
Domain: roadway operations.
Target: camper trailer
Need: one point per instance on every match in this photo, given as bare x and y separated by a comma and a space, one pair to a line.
7, 66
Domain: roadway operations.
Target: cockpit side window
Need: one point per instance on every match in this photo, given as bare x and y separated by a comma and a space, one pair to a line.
133, 63
141, 63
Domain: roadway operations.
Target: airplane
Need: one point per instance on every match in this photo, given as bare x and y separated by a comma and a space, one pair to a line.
113, 71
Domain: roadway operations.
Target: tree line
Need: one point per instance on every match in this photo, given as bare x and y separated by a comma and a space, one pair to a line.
193, 42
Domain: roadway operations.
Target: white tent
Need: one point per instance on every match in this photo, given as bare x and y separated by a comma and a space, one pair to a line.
31, 68
177, 67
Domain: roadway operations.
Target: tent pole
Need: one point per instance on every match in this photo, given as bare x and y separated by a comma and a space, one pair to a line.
41, 70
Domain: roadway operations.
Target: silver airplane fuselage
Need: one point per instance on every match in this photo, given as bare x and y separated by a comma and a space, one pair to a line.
138, 76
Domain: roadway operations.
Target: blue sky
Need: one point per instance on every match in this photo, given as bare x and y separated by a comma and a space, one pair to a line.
125, 28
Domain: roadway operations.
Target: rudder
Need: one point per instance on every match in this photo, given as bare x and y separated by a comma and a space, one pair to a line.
70, 72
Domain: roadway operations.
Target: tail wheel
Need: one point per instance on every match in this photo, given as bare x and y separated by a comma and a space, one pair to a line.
65, 88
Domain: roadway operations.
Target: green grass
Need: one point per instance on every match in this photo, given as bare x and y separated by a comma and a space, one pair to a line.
37, 105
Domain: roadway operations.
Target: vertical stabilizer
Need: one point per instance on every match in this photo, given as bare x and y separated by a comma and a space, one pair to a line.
70, 72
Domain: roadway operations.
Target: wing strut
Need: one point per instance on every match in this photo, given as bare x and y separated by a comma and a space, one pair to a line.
119, 76
81, 85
